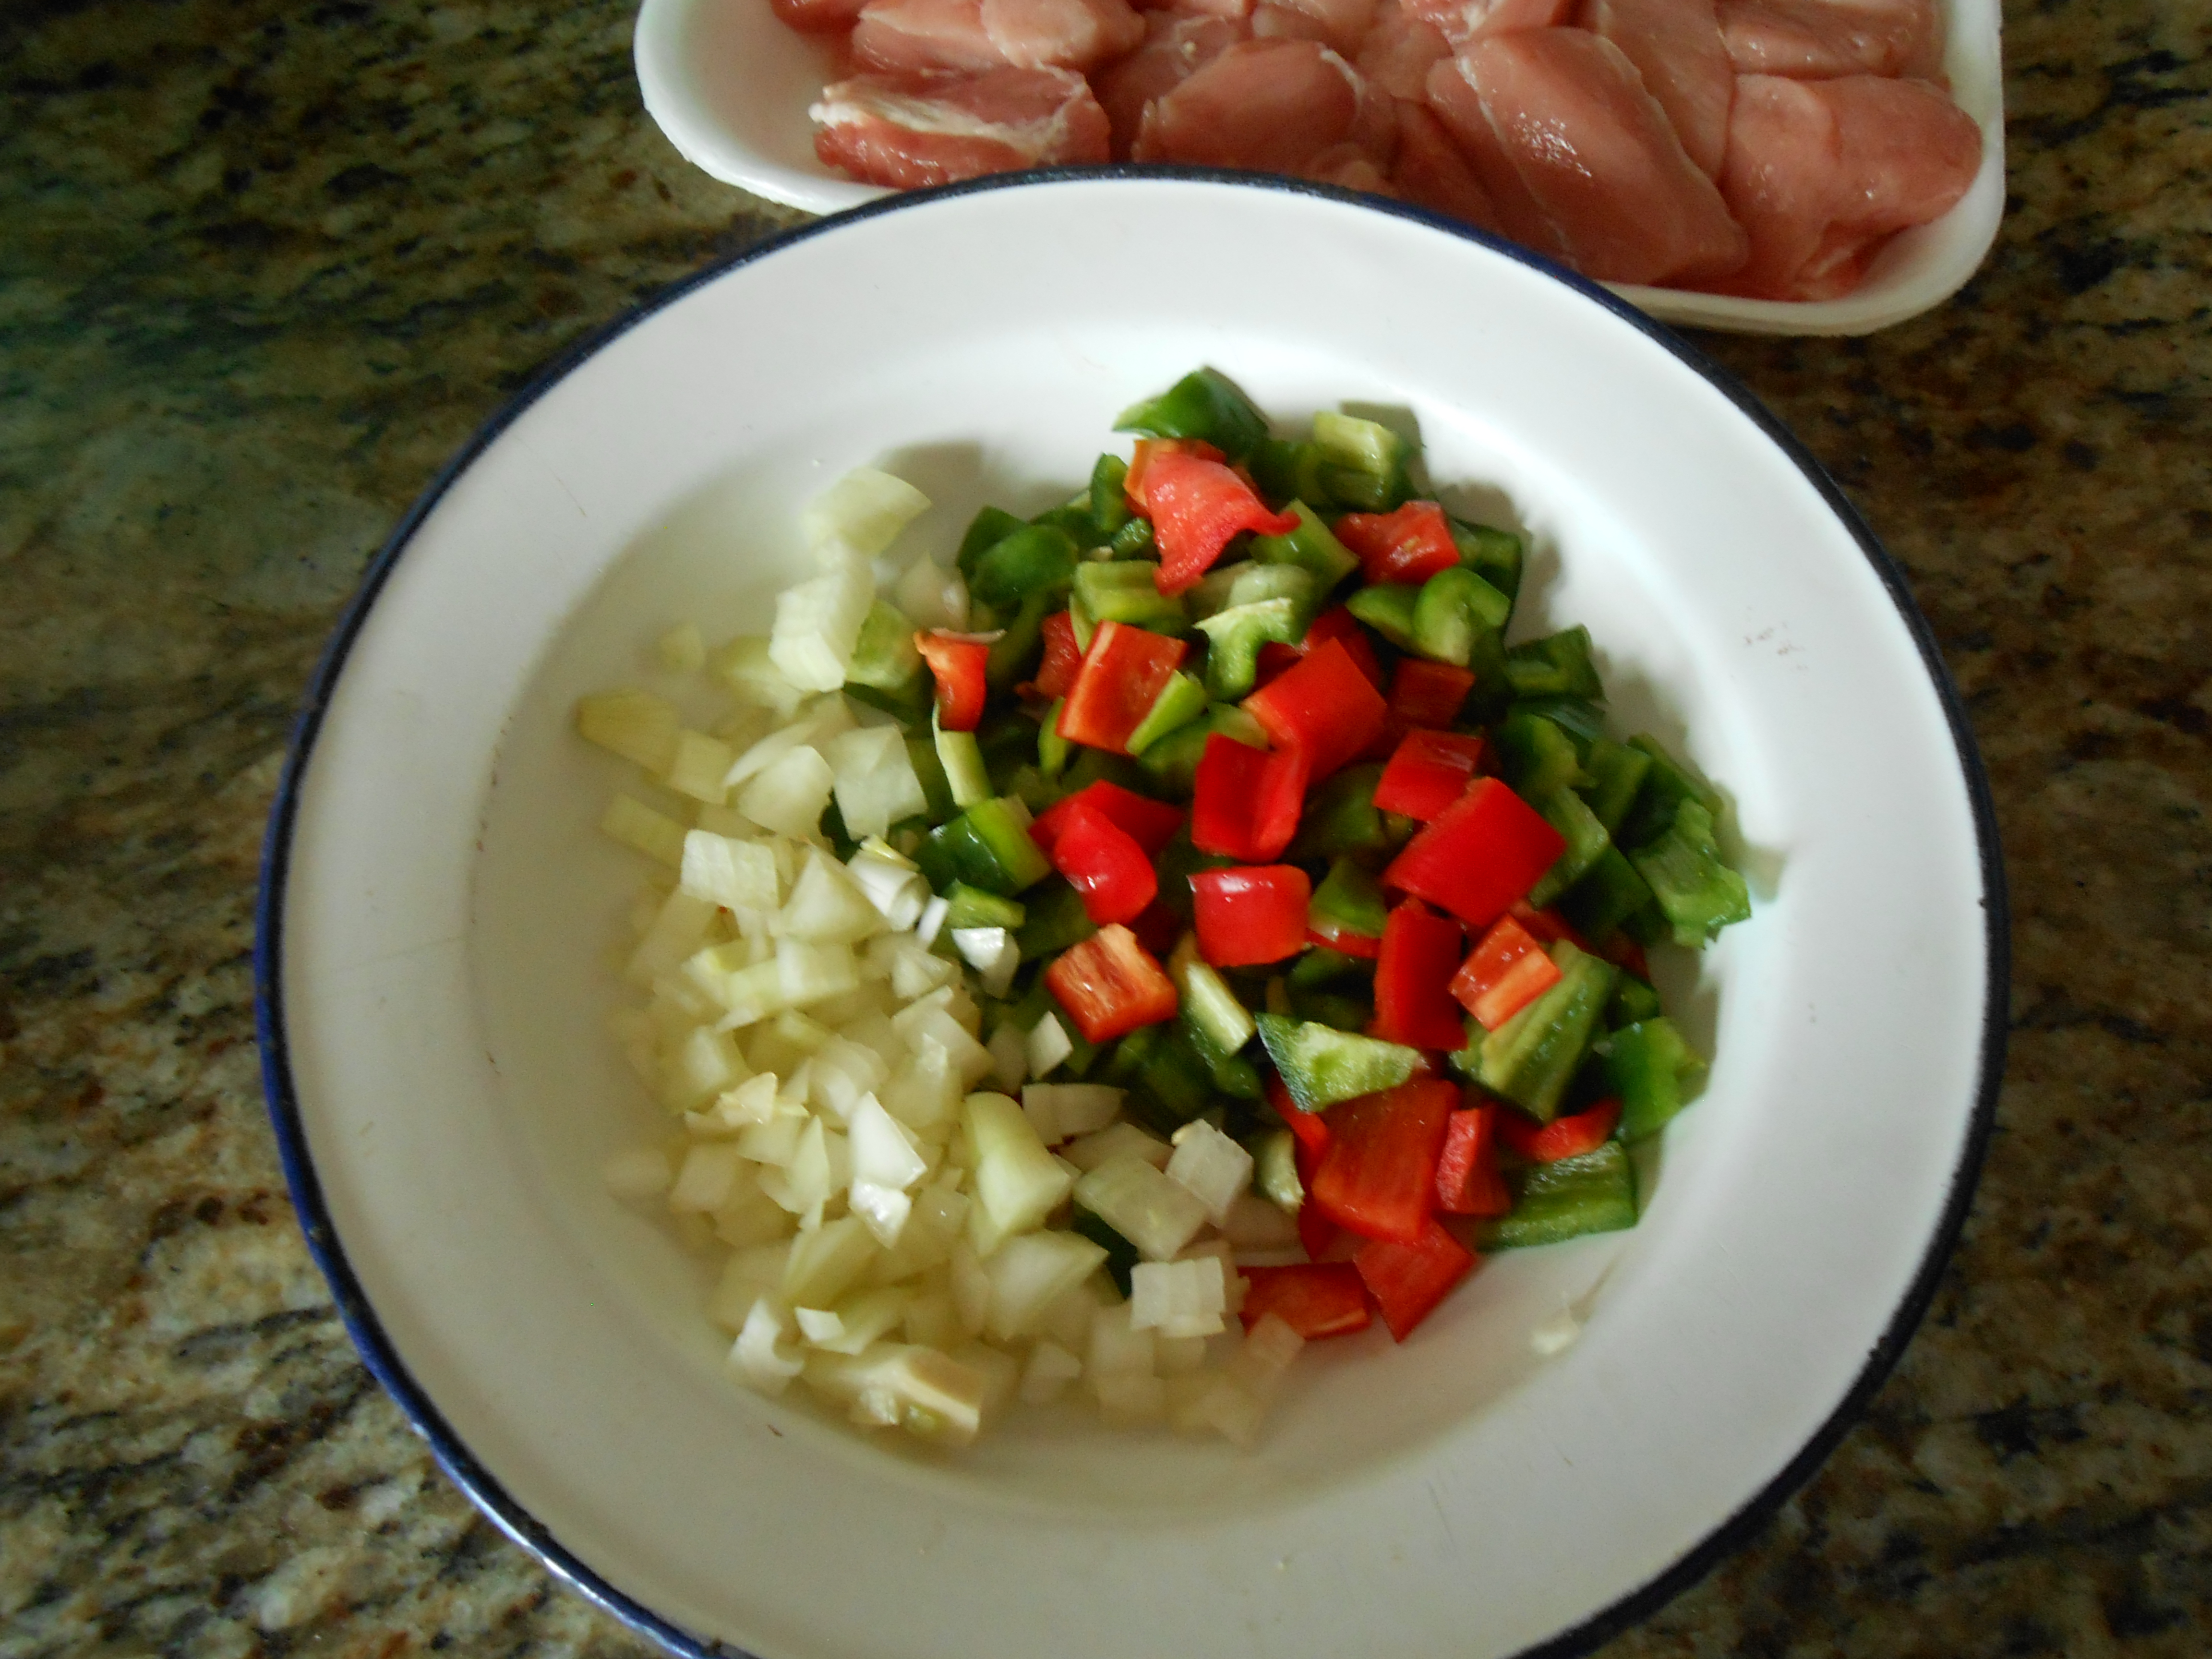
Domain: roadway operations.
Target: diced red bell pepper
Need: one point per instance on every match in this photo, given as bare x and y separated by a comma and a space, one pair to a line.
1504, 974
1151, 823
1428, 772
1249, 915
1425, 693
1197, 506
1119, 680
1147, 451
1412, 979
1325, 707
1063, 657
1485, 851
1338, 624
1407, 1279
958, 662
1378, 1177
1313, 1299
1344, 942
1245, 802
1105, 865
1159, 929
1563, 1136
1548, 927
1411, 544
1109, 985
1309, 1129
1623, 951
1468, 1181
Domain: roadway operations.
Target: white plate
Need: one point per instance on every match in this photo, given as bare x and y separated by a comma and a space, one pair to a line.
731, 85
437, 905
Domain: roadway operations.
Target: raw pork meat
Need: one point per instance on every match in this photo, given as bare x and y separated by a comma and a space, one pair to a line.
1339, 25
1580, 159
1399, 50
1676, 48
1821, 172
916, 129
1813, 40
1463, 21
1177, 45
1272, 106
1432, 173
817, 16
980, 34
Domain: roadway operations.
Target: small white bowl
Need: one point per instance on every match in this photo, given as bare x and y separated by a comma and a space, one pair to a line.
437, 905
730, 86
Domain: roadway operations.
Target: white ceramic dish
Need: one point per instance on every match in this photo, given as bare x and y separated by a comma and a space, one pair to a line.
731, 85
437, 903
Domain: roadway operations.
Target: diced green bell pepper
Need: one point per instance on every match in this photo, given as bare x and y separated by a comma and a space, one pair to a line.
1128, 590
1454, 609
1592, 1193
1698, 888
1175, 864
1287, 471
929, 772
1110, 501
1234, 636
1587, 842
971, 907
1632, 1000
1493, 555
883, 656
1312, 547
1056, 918
1169, 1080
1388, 608
1532, 1058
1180, 701
960, 756
987, 846
1616, 773
1340, 816
1035, 559
1364, 463
1320, 1065
1559, 665
1606, 895
1203, 404
1233, 1075
1535, 755
1666, 784
1647, 1066
1133, 540
1052, 748
1275, 1169
1349, 900
1581, 718
1073, 518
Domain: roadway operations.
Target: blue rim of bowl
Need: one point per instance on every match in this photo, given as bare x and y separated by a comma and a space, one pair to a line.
510, 1516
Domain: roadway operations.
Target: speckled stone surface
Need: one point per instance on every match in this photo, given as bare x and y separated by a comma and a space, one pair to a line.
263, 268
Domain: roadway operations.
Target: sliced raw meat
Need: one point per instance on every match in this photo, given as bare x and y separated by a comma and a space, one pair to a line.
1821, 172
1399, 50
1593, 156
1235, 11
918, 128
1463, 21
1270, 105
817, 16
899, 35
1339, 25
1349, 166
1077, 34
1176, 44
1816, 40
1432, 172
1676, 48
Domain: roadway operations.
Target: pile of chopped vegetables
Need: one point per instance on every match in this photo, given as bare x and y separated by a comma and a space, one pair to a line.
1182, 930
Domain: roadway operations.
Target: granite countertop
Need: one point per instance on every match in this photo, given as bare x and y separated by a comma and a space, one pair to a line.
263, 269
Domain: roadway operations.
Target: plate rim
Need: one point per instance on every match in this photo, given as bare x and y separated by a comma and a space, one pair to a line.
288, 1122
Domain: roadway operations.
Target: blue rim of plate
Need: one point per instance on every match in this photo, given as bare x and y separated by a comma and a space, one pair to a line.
483, 1489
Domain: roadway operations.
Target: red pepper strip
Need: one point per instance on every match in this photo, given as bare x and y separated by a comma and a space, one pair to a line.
1159, 929
1548, 926
1275, 660
1378, 1177
1428, 772
1425, 693
1365, 946
1105, 865
1408, 1279
1413, 975
1313, 1299
1409, 545
1197, 506
1485, 851
1322, 1238
1468, 1181
1149, 450
1325, 707
1246, 915
1116, 685
1063, 657
958, 662
1245, 802
1505, 972
1111, 985
1563, 1136
1151, 823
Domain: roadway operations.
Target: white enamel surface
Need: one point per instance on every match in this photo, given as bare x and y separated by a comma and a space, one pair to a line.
731, 85
450, 906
